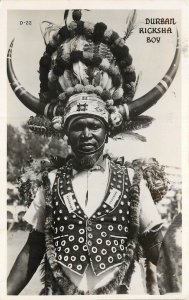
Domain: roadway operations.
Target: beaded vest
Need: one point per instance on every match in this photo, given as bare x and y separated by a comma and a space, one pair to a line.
100, 240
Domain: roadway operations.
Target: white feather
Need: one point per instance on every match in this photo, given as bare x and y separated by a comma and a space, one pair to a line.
112, 90
62, 82
104, 80
68, 78
109, 84
48, 29
77, 43
66, 48
79, 70
65, 80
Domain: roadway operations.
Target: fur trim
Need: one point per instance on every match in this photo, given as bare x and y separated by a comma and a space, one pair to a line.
151, 279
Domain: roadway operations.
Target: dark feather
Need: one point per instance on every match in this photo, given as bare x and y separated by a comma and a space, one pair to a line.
128, 127
138, 123
66, 15
130, 135
138, 80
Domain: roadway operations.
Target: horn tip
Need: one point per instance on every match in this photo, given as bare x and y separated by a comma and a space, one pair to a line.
12, 42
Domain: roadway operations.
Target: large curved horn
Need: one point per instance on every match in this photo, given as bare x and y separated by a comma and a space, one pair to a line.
25, 97
143, 103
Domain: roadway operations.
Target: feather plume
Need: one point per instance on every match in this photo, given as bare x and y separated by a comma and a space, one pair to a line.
139, 122
66, 15
109, 84
96, 77
112, 90
68, 78
138, 80
46, 28
65, 48
130, 135
126, 130
79, 70
130, 24
62, 82
104, 80
77, 44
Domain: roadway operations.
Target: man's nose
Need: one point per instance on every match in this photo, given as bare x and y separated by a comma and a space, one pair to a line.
86, 132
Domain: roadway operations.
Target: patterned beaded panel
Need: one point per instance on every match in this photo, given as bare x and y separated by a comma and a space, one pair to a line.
100, 240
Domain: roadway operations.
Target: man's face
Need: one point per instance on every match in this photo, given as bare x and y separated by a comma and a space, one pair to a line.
86, 135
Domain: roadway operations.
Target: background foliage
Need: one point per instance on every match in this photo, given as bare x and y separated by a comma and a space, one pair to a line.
21, 144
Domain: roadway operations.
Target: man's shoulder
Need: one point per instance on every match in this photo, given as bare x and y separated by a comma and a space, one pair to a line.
38, 173
126, 166
150, 172
120, 162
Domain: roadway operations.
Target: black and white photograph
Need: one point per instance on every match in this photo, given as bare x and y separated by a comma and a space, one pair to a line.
94, 130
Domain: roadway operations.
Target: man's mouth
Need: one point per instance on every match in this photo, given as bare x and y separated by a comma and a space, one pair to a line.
87, 146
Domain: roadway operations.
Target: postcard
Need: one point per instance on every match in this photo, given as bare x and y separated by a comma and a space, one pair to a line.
94, 157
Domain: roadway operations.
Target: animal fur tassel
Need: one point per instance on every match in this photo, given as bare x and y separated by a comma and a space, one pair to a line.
151, 280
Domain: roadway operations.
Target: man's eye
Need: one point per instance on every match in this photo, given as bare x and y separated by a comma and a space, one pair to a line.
76, 128
94, 127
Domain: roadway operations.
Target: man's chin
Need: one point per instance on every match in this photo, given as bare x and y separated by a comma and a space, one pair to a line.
86, 160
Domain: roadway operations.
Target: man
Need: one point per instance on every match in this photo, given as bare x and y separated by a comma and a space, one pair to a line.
87, 135
89, 215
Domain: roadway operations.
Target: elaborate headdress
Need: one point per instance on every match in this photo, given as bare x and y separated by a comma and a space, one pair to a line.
87, 69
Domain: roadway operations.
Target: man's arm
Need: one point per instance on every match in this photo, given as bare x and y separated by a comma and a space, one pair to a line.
26, 263
151, 242
150, 225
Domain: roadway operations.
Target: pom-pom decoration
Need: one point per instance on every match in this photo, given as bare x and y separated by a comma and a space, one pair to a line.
98, 33
76, 15
117, 94
116, 119
57, 123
